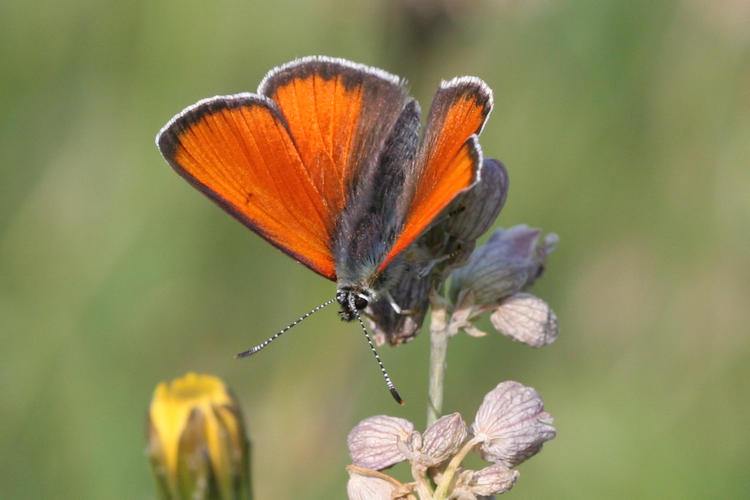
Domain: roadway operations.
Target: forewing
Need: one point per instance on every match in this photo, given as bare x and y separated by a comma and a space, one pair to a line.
339, 114
238, 151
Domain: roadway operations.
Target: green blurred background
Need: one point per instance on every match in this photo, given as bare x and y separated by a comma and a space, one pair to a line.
625, 127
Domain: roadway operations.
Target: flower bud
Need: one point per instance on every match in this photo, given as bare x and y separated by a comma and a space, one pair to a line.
526, 318
511, 424
443, 439
366, 487
378, 442
492, 480
510, 261
196, 440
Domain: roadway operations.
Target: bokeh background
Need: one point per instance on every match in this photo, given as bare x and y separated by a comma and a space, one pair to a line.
625, 127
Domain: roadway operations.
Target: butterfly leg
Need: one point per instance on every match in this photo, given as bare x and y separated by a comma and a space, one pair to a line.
394, 305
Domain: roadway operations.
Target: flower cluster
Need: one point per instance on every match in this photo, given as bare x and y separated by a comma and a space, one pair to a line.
494, 280
509, 427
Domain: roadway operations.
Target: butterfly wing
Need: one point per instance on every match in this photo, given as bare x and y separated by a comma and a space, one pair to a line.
282, 161
238, 151
339, 114
449, 158
345, 119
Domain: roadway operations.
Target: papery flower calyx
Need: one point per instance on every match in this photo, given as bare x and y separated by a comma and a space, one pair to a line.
443, 439
493, 480
511, 424
493, 280
379, 442
363, 486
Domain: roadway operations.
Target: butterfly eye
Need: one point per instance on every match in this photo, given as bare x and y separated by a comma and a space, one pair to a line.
360, 302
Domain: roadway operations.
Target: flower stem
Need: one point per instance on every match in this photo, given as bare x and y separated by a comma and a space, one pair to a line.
441, 492
422, 486
438, 351
362, 471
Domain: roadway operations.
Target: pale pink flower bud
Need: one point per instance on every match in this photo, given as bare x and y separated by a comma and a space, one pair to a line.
377, 442
511, 424
364, 487
492, 480
526, 318
443, 439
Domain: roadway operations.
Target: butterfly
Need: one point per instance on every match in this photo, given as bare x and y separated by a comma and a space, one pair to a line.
326, 163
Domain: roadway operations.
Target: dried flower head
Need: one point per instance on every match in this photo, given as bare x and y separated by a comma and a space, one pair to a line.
527, 319
493, 480
492, 280
378, 442
443, 439
362, 486
511, 424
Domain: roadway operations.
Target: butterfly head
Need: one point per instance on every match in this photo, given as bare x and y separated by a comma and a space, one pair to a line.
352, 300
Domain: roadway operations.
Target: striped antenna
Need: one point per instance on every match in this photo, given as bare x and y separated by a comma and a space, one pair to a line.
388, 382
288, 327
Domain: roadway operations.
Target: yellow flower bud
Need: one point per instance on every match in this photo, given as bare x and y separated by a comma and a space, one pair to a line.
196, 440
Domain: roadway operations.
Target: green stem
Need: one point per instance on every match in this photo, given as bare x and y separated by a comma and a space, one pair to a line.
441, 492
438, 351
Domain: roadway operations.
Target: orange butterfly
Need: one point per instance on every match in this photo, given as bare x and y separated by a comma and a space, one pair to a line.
325, 162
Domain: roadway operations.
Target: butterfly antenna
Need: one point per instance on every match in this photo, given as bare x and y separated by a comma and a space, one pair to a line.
288, 327
388, 382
